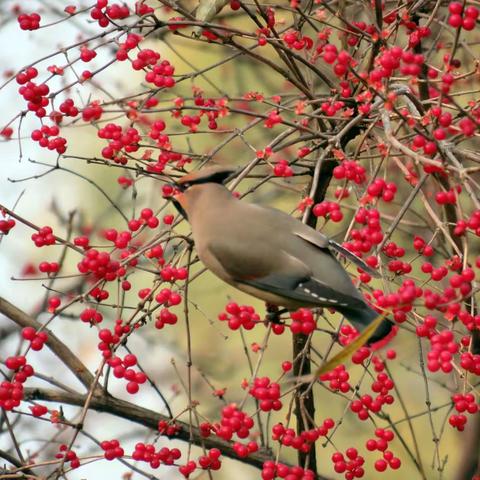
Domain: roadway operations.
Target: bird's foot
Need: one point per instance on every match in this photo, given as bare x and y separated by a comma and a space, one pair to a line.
274, 313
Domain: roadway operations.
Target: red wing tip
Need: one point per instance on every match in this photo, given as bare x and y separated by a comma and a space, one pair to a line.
385, 340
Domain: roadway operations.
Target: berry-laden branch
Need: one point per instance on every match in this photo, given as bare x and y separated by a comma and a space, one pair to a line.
363, 122
64, 354
148, 418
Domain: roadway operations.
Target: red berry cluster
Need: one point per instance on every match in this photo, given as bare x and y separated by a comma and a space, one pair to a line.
146, 218
412, 62
273, 118
338, 378
86, 54
343, 59
211, 461
168, 219
112, 449
119, 239
420, 245
401, 301
381, 189
53, 304
348, 334
206, 428
145, 452
282, 169
303, 321
6, 132
168, 298
272, 470
443, 347
360, 355
130, 43
169, 429
120, 139
37, 340
92, 112
101, 265
44, 138
296, 41
48, 267
352, 466
448, 197
6, 225
107, 340
470, 362
187, 469
304, 441
382, 385
233, 421
458, 421
462, 403
23, 370
69, 455
429, 147
155, 133
397, 266
142, 8
191, 121
68, 108
267, 392
436, 274
351, 171
210, 112
381, 443
365, 238
354, 38
366, 403
43, 237
29, 21
122, 369
11, 394
390, 60
330, 210
165, 317
244, 450
391, 249
473, 223
426, 328
172, 274
462, 18
38, 410
388, 460
239, 316
34, 94
99, 294
331, 108
160, 73
91, 316
102, 12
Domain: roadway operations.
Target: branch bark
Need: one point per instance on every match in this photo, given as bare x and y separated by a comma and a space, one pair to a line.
71, 361
149, 419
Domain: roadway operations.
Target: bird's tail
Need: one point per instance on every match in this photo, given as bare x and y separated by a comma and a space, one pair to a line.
363, 316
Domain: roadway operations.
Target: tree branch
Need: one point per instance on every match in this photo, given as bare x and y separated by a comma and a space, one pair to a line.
57, 347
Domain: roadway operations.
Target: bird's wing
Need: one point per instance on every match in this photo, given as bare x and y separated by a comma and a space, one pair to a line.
304, 289
321, 241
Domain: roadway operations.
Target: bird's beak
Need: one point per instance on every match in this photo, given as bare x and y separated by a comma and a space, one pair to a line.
178, 200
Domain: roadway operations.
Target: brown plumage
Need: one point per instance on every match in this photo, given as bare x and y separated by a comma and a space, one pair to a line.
267, 253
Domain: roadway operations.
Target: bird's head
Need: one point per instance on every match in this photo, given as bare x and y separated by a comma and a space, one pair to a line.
192, 183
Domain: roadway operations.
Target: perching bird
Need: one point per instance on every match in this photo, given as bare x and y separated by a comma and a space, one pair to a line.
267, 253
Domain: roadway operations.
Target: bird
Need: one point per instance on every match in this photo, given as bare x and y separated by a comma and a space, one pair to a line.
268, 253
